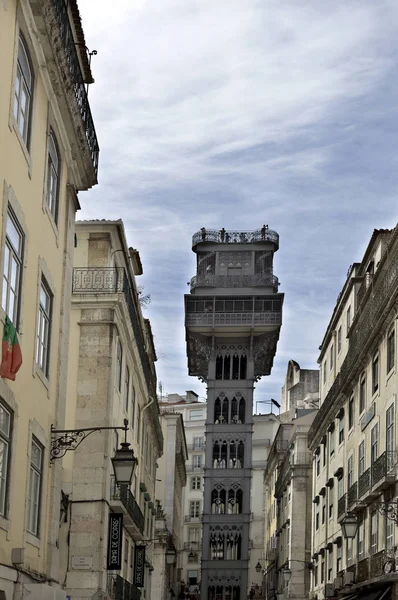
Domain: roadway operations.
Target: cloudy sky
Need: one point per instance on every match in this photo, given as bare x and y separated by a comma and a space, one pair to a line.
235, 113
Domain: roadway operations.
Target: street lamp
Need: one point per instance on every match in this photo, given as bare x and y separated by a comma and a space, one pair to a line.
124, 463
349, 526
258, 567
286, 575
170, 556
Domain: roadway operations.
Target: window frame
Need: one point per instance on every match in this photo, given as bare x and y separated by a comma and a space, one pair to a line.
119, 365
375, 373
341, 429
195, 480
126, 388
331, 358
348, 319
339, 340
6, 439
194, 509
44, 328
362, 393
361, 458
16, 255
374, 533
53, 169
23, 55
351, 412
39, 471
390, 362
374, 443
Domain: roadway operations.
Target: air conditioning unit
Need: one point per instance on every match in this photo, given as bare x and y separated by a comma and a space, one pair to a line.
348, 578
329, 590
338, 583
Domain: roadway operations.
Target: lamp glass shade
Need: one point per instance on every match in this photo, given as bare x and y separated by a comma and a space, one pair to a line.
124, 463
286, 574
258, 567
191, 555
349, 526
280, 595
170, 557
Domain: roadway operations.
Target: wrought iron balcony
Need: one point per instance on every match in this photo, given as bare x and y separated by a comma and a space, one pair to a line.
363, 570
234, 281
121, 589
235, 318
364, 483
341, 505
352, 495
383, 469
115, 280
123, 494
235, 237
377, 562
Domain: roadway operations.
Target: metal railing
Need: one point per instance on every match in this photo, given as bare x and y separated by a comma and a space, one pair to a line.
235, 237
383, 466
122, 493
363, 570
232, 281
341, 505
385, 289
121, 589
377, 562
364, 483
104, 280
194, 468
367, 280
235, 318
352, 495
73, 77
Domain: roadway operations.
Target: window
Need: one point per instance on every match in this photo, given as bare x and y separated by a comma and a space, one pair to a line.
194, 509
324, 372
351, 413
322, 571
390, 443
323, 509
197, 462
331, 442
374, 440
317, 516
362, 394
132, 406
360, 538
325, 450
193, 557
119, 364
348, 318
316, 575
330, 565
196, 483
350, 472
35, 483
5, 448
12, 274
331, 496
361, 458
340, 488
390, 350
375, 373
125, 557
195, 415
127, 389
197, 443
349, 549
53, 170
339, 340
194, 535
44, 328
318, 464
390, 526
23, 94
341, 429
138, 423
331, 357
338, 557
374, 532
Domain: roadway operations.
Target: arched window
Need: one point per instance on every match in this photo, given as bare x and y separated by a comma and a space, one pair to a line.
218, 501
53, 168
235, 497
238, 408
23, 95
221, 405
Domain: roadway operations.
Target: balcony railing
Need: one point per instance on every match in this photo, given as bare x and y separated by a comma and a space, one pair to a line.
193, 519
234, 281
352, 495
341, 505
120, 589
235, 237
103, 280
383, 466
385, 289
192, 545
73, 76
364, 483
367, 280
194, 468
377, 562
236, 318
363, 570
122, 493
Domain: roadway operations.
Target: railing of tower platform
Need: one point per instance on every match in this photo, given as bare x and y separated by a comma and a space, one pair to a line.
234, 281
223, 236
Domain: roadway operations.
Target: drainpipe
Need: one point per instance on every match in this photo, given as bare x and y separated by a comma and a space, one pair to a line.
151, 401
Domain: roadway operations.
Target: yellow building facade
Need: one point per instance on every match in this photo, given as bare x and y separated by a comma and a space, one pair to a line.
48, 152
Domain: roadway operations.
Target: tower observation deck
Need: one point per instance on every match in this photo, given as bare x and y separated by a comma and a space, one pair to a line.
233, 317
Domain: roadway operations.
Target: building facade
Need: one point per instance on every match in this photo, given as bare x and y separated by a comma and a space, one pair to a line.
232, 318
193, 411
354, 438
111, 377
48, 152
288, 489
169, 524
